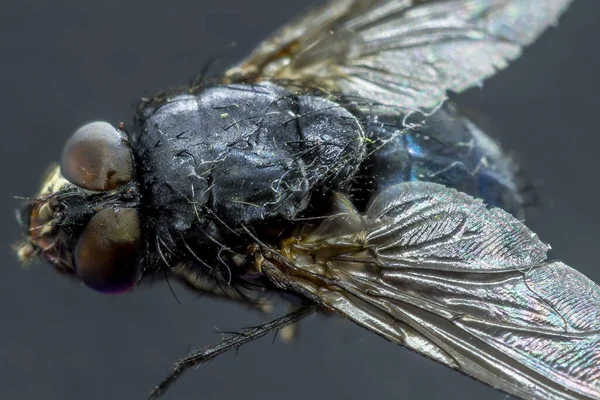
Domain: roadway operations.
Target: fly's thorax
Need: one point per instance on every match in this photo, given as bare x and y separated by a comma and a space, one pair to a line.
85, 219
233, 155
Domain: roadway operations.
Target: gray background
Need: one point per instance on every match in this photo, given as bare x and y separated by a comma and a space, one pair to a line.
64, 63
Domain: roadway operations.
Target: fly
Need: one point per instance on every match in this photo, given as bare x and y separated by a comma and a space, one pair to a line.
328, 166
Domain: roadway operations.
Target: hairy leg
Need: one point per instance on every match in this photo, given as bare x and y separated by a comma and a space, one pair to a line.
233, 341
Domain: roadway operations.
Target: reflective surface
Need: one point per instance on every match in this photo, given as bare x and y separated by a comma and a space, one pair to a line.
107, 251
97, 157
467, 286
60, 341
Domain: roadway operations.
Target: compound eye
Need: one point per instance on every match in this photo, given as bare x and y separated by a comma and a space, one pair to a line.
108, 250
97, 157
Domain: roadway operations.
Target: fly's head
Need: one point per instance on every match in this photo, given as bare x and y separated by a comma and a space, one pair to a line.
85, 219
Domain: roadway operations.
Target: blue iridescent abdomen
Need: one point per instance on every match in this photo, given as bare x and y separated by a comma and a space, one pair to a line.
448, 149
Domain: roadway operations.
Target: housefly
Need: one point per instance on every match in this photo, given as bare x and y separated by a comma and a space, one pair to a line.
329, 167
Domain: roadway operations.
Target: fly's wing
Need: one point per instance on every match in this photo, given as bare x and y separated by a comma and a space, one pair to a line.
435, 270
401, 53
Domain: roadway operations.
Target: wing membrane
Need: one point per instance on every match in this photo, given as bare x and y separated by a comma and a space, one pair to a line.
434, 270
400, 53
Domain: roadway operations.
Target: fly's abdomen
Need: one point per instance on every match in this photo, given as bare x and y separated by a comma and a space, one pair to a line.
450, 150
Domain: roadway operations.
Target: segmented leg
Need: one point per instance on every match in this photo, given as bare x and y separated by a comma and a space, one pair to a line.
230, 342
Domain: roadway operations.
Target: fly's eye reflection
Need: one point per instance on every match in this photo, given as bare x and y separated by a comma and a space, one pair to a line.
106, 255
97, 157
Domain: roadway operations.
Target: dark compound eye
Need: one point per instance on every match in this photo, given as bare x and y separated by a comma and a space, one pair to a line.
107, 252
97, 157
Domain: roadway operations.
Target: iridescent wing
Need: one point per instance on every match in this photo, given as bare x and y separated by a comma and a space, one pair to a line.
436, 271
401, 53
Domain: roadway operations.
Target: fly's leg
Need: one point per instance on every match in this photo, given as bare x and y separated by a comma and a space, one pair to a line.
230, 342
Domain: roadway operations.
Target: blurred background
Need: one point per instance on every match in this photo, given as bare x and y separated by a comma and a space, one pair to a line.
65, 63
